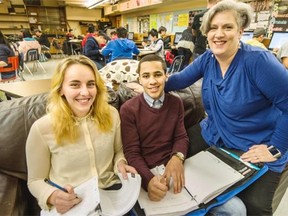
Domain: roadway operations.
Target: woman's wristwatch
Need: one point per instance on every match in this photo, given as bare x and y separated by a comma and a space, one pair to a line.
274, 151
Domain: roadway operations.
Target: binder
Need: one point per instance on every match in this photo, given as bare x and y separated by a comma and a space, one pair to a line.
212, 177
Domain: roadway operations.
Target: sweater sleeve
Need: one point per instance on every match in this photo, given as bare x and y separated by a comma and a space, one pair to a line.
131, 145
38, 165
272, 78
118, 148
186, 77
181, 140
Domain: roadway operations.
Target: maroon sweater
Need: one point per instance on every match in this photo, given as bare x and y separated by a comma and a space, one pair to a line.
150, 136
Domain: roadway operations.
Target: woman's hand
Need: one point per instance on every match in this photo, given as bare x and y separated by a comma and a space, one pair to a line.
257, 154
124, 168
63, 201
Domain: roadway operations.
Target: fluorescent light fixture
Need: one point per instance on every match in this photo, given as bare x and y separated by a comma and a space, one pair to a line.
97, 3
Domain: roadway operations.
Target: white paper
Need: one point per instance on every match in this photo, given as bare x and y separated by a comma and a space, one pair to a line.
119, 202
205, 177
89, 193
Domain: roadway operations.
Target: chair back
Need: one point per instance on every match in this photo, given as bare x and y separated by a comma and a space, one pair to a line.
13, 65
56, 44
176, 64
32, 55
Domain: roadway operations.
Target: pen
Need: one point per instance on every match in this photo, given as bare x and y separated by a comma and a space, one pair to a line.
238, 158
55, 185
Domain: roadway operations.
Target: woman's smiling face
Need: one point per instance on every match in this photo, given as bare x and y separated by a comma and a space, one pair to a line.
224, 34
79, 89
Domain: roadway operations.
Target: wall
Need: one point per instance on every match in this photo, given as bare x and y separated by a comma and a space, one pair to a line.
76, 14
163, 14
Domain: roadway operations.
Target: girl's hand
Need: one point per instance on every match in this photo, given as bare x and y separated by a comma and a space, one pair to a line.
124, 168
63, 201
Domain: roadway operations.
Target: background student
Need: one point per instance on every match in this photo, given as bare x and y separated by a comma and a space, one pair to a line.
79, 137
149, 140
246, 100
200, 40
258, 37
282, 54
92, 49
156, 44
5, 52
166, 38
120, 48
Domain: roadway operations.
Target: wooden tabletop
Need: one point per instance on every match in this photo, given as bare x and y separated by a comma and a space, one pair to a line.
26, 88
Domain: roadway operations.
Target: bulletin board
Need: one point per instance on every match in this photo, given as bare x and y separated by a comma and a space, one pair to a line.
164, 19
180, 21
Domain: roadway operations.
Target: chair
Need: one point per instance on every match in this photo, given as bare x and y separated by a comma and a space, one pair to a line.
58, 47
13, 66
176, 64
33, 56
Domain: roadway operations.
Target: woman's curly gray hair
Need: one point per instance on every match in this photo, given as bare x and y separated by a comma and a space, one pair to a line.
243, 14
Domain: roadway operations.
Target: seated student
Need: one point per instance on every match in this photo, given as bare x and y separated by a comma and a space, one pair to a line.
78, 139
282, 54
166, 38
92, 49
90, 32
70, 35
149, 140
258, 37
185, 46
121, 48
113, 35
5, 52
27, 43
156, 45
42, 38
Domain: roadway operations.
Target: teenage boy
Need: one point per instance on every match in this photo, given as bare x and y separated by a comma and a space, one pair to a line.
153, 131
153, 134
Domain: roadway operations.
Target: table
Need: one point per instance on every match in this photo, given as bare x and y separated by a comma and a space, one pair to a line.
144, 52
75, 42
26, 88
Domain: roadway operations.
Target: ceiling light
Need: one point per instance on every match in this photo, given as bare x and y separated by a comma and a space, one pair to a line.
97, 3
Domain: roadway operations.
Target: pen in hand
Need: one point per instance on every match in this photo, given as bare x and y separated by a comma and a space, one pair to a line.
55, 185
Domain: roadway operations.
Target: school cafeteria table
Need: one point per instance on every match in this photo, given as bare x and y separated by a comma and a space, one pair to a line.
25, 88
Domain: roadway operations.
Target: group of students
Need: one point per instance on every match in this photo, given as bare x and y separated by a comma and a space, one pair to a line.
247, 110
20, 48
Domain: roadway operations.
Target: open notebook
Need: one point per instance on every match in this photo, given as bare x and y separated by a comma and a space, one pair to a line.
206, 177
112, 202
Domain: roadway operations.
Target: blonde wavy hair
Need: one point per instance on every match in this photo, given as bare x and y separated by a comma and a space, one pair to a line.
63, 121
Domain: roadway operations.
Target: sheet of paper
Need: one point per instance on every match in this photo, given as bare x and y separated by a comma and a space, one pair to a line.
89, 193
206, 176
119, 202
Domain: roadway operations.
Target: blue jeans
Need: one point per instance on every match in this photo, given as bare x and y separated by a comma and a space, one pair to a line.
233, 207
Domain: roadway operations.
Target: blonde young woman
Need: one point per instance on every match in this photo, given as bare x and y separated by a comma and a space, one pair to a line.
245, 94
78, 138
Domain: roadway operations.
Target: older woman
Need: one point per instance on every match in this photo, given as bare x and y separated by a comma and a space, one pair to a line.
79, 137
245, 94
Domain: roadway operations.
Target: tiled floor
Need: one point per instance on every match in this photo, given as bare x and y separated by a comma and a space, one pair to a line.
50, 66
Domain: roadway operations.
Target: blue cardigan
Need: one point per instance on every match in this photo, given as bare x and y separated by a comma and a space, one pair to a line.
249, 106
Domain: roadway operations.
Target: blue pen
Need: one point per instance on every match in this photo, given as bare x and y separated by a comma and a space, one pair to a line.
238, 158
55, 185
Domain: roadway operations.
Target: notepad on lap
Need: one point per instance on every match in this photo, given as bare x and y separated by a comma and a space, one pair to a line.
88, 192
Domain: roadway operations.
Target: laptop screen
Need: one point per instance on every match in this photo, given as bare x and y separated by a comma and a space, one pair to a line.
277, 39
246, 36
177, 37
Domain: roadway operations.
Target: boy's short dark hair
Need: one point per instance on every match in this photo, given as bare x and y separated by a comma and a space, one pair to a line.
153, 32
121, 32
150, 58
161, 28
